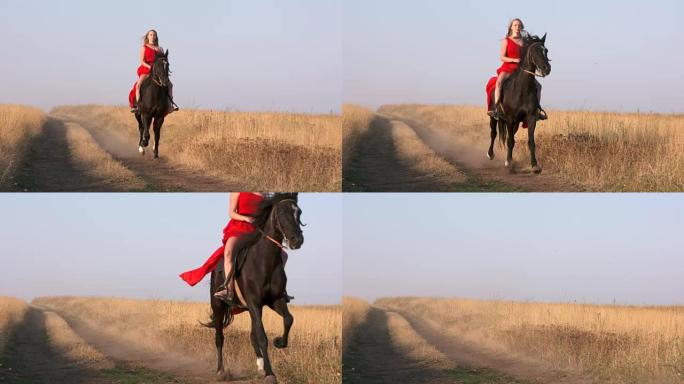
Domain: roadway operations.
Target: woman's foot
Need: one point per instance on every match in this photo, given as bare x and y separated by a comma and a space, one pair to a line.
134, 109
226, 295
541, 114
494, 114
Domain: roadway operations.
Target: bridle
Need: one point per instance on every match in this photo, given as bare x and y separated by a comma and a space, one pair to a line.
274, 217
157, 80
528, 59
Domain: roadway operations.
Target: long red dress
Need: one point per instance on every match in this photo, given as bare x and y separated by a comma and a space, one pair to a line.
248, 204
512, 51
149, 56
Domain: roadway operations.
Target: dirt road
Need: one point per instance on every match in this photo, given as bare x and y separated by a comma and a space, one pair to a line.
375, 166
52, 165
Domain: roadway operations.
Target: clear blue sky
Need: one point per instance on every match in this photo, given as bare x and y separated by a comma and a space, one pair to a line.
135, 245
544, 247
244, 55
606, 55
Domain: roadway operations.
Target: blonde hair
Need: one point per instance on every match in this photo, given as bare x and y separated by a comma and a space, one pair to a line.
510, 25
156, 43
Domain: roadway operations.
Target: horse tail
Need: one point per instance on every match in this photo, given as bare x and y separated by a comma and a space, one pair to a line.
227, 319
503, 132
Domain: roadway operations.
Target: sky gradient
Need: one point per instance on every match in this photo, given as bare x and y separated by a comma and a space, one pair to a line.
224, 54
136, 245
606, 55
589, 248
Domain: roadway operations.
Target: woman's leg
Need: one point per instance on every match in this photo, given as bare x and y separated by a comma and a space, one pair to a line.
497, 90
174, 107
228, 268
541, 114
137, 86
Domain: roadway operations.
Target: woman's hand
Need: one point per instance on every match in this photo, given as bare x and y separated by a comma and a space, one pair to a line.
249, 219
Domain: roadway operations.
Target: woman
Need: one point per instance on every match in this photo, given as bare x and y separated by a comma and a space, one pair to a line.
148, 53
510, 56
242, 207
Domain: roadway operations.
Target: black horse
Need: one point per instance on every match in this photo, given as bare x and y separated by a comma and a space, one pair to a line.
155, 102
259, 272
519, 101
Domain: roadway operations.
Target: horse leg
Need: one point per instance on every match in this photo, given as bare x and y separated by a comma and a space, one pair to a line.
257, 351
492, 125
158, 121
280, 306
510, 143
262, 341
141, 129
219, 338
531, 124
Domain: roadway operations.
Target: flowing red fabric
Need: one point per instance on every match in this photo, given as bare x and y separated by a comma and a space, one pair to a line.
248, 204
150, 55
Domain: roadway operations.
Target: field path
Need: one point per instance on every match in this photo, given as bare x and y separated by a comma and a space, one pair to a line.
50, 165
180, 365
468, 355
29, 358
375, 166
370, 358
487, 175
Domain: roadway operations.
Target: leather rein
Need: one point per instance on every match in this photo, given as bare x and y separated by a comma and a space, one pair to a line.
278, 226
528, 59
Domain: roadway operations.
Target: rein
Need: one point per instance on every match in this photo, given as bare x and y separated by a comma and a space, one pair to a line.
278, 226
527, 58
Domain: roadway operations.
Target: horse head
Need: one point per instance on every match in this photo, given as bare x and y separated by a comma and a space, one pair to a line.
536, 56
160, 69
286, 216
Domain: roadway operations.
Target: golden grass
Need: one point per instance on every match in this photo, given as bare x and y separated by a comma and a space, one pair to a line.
261, 151
96, 162
622, 344
71, 345
356, 121
416, 154
18, 124
599, 151
354, 314
313, 355
12, 312
410, 343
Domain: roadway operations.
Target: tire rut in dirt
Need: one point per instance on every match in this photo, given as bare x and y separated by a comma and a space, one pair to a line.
371, 358
375, 166
48, 165
29, 358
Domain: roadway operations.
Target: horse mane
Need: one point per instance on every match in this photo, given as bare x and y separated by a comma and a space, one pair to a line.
260, 218
527, 42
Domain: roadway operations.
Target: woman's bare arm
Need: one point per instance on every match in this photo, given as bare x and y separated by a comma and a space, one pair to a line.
142, 58
233, 209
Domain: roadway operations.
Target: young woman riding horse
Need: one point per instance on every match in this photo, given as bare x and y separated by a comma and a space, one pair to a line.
148, 52
510, 56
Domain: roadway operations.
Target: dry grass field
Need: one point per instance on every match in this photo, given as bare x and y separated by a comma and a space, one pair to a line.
18, 124
354, 313
613, 344
313, 356
598, 151
264, 151
355, 122
12, 311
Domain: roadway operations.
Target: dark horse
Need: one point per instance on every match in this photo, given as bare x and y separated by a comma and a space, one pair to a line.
519, 101
154, 102
260, 276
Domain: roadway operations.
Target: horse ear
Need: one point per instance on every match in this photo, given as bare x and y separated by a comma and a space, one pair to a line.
544, 38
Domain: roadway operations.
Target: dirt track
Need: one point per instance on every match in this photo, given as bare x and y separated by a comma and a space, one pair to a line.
50, 165
374, 165
372, 358
30, 357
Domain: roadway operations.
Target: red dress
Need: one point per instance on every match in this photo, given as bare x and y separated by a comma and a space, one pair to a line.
248, 204
512, 51
149, 56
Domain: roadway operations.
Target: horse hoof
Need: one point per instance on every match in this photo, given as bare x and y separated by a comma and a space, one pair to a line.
156, 155
141, 150
490, 156
279, 342
222, 375
270, 380
536, 169
507, 163
261, 372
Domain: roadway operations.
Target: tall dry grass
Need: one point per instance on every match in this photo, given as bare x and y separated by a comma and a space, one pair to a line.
313, 355
12, 312
257, 150
354, 313
621, 344
599, 151
356, 121
18, 124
